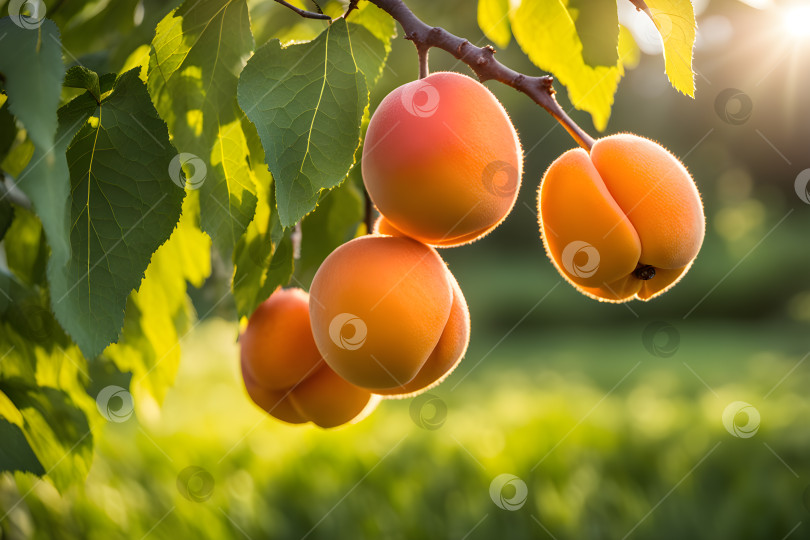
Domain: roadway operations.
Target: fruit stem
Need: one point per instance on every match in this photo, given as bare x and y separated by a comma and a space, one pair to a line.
644, 272
422, 51
482, 61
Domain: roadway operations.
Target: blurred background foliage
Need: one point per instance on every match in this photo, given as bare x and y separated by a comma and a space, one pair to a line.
617, 433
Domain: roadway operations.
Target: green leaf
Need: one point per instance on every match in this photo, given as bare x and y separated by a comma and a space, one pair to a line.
263, 257
369, 53
15, 453
334, 221
675, 21
31, 61
81, 77
307, 102
597, 25
124, 205
375, 20
8, 130
547, 34
197, 54
6, 210
493, 19
26, 249
160, 313
56, 430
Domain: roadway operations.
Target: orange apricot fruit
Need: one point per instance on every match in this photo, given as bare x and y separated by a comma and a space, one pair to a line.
387, 315
625, 221
284, 373
441, 160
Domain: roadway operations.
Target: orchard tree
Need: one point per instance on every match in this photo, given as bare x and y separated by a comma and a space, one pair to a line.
140, 140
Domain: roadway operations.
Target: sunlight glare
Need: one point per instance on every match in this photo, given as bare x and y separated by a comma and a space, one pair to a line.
797, 21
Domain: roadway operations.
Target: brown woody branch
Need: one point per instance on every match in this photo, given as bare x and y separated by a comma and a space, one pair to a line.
482, 61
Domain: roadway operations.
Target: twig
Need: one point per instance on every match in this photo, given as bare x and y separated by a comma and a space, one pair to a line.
352, 7
422, 51
304, 13
482, 61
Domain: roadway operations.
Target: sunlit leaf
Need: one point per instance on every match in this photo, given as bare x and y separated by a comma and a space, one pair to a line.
264, 256
675, 21
597, 25
197, 54
547, 34
159, 313
493, 19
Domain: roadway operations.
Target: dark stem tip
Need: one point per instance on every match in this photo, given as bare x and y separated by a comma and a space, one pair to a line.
644, 272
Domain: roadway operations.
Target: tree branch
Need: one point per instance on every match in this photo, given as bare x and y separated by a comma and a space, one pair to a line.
304, 13
482, 61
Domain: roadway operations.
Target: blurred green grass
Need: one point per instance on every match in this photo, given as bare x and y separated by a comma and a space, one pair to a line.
611, 440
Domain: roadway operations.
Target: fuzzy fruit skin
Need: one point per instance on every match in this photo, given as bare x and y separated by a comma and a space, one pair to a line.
441, 160
277, 346
379, 306
284, 373
628, 202
447, 354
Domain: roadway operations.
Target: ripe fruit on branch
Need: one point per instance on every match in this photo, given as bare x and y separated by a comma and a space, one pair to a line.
284, 373
387, 315
441, 160
624, 222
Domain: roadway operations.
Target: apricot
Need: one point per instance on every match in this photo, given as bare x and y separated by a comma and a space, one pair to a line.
284, 373
387, 315
624, 222
441, 160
